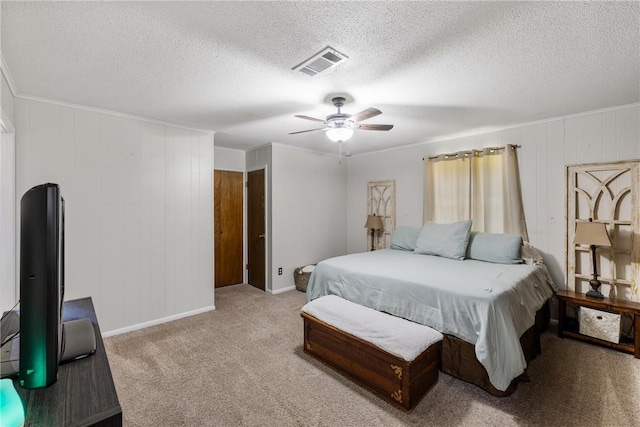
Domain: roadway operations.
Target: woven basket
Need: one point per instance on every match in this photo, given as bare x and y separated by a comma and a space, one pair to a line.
301, 278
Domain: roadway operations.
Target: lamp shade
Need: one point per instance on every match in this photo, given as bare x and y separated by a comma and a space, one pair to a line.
373, 222
339, 134
591, 233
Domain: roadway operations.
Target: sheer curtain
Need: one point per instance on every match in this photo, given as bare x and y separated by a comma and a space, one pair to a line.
482, 185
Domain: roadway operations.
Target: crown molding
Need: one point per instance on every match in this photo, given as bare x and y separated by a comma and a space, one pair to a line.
7, 75
485, 130
114, 113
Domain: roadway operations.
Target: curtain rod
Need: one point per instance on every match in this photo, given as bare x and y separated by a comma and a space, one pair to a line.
472, 151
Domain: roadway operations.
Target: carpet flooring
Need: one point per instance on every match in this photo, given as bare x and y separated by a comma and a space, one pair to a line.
243, 365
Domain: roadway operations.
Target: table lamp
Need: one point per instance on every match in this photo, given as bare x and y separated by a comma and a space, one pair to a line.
373, 223
592, 234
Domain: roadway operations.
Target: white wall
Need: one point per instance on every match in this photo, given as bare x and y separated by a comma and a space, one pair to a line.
8, 282
139, 200
547, 147
228, 159
308, 211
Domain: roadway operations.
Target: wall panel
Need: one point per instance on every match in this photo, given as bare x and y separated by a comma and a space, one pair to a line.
609, 136
589, 137
628, 133
157, 222
144, 309
45, 143
170, 220
111, 221
138, 208
554, 212
132, 226
204, 227
83, 266
542, 185
528, 173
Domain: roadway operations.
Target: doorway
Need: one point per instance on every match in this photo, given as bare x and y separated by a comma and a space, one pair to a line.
228, 234
256, 239
9, 288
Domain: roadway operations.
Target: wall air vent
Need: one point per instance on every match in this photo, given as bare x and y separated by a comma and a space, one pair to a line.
321, 62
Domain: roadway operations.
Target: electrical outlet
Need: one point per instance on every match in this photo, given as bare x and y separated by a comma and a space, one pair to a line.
279, 271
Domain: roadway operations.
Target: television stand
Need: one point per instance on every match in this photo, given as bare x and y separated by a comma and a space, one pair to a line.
84, 394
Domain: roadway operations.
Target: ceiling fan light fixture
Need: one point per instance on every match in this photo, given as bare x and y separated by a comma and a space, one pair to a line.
339, 134
340, 126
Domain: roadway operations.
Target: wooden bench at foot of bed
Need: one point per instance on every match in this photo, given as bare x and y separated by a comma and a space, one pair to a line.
401, 382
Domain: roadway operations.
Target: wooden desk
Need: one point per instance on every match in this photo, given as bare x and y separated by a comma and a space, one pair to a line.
84, 394
606, 304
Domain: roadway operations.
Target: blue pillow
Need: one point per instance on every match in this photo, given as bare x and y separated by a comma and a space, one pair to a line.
495, 247
405, 238
445, 240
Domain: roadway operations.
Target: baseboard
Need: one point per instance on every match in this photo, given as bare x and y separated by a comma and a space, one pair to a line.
157, 321
279, 291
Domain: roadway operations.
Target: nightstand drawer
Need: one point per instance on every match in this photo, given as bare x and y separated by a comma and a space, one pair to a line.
600, 324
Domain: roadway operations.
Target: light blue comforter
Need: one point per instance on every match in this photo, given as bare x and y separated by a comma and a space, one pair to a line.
488, 305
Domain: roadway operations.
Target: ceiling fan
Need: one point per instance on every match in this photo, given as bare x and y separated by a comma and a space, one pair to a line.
340, 126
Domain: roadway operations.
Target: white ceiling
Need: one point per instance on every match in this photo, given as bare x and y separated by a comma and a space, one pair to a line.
433, 68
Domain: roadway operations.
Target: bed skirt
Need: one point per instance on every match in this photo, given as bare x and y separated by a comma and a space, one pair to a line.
459, 357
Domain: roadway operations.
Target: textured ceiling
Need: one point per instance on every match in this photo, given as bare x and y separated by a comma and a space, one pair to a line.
433, 68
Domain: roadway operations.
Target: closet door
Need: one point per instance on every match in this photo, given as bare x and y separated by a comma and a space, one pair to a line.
228, 236
256, 229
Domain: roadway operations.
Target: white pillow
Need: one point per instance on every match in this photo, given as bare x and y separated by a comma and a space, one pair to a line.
445, 240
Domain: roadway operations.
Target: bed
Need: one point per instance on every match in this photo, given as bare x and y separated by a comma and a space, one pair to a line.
488, 310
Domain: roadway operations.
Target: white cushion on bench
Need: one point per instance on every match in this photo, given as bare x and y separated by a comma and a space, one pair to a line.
397, 336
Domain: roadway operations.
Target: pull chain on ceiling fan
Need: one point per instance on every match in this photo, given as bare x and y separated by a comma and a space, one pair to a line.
340, 126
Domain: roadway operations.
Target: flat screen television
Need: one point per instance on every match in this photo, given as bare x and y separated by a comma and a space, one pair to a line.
41, 285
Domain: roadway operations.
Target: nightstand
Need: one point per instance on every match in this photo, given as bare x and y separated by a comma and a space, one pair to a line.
608, 305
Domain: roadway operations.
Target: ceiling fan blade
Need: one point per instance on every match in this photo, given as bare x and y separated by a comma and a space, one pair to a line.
375, 127
365, 114
308, 130
308, 118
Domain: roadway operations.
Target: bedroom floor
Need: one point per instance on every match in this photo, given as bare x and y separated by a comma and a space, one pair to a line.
243, 364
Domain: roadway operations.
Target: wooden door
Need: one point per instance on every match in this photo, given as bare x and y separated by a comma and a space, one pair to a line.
228, 201
256, 229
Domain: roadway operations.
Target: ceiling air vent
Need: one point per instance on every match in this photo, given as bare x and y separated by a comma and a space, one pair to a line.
321, 62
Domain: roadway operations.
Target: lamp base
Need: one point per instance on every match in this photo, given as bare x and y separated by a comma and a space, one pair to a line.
595, 285
373, 236
595, 294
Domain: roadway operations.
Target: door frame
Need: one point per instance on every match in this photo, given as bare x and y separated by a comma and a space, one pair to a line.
10, 287
267, 230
